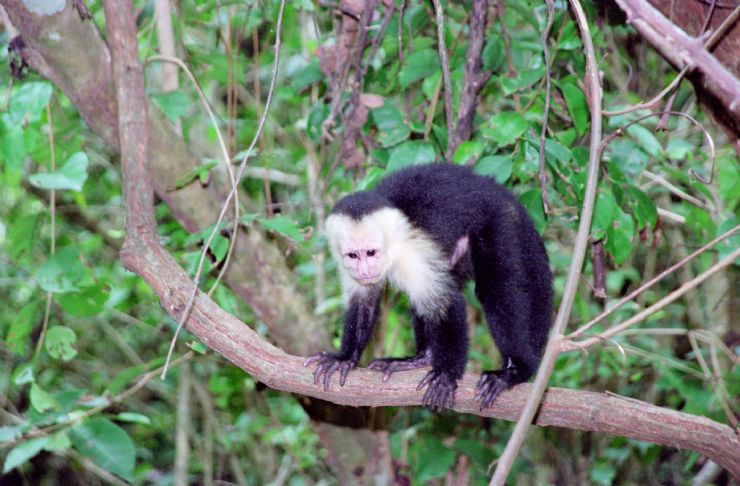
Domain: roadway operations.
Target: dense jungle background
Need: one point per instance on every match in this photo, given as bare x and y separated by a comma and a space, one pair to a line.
361, 89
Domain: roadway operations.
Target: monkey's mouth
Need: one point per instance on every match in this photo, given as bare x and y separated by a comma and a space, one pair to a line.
368, 280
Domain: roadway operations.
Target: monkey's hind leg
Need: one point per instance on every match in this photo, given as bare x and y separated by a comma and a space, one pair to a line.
448, 342
514, 289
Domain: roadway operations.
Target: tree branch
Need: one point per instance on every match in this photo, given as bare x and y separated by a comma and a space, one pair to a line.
580, 410
681, 50
473, 79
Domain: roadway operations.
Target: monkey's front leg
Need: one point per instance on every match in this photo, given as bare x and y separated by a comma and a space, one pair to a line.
362, 314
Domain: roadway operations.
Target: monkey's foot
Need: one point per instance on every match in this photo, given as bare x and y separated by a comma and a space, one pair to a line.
390, 365
328, 363
440, 393
492, 383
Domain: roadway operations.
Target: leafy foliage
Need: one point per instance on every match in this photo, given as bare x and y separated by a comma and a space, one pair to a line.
104, 331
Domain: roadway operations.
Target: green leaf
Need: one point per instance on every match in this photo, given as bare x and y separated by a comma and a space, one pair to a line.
603, 473
196, 173
28, 102
643, 208
107, 444
307, 75
412, 152
41, 400
21, 327
418, 66
391, 128
434, 460
494, 53
59, 341
119, 382
505, 128
58, 442
316, 118
61, 272
21, 235
524, 78
645, 139
8, 433
87, 302
135, 418
467, 150
604, 213
679, 149
283, 225
23, 452
532, 200
72, 175
497, 166
13, 148
174, 104
372, 177
577, 106
23, 374
728, 245
619, 237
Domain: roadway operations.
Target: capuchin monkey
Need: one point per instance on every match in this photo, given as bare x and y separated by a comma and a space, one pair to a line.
425, 231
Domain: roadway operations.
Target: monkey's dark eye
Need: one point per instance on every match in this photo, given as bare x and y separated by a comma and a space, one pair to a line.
371, 253
352, 255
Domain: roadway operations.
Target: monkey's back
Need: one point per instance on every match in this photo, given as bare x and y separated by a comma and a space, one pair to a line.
450, 201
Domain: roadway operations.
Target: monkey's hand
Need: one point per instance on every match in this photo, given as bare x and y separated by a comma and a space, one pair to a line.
440, 393
388, 366
327, 364
492, 383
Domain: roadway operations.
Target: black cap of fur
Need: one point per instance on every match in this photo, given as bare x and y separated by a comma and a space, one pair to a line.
360, 204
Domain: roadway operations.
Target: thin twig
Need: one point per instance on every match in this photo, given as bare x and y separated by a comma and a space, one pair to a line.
677, 191
627, 298
229, 169
668, 299
78, 418
232, 193
445, 62
579, 251
543, 132
390, 8
52, 237
692, 172
713, 375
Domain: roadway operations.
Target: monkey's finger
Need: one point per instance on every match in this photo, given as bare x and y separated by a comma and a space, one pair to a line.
377, 365
330, 371
481, 390
387, 375
343, 374
317, 374
426, 380
315, 358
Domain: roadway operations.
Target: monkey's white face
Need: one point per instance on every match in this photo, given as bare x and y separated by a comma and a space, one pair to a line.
363, 256
359, 247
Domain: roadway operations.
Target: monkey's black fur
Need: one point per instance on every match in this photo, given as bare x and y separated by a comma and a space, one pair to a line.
503, 254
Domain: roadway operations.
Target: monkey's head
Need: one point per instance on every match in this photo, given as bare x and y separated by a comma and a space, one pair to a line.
359, 247
361, 229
